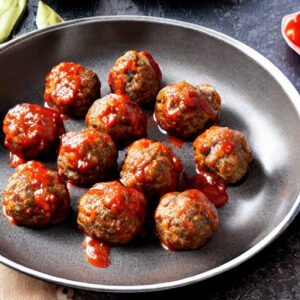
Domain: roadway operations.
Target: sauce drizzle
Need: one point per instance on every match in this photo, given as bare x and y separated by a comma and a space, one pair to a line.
175, 141
96, 252
15, 160
211, 185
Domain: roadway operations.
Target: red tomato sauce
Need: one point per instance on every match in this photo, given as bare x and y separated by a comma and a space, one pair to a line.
78, 147
121, 110
32, 118
211, 185
113, 199
292, 29
66, 80
15, 160
115, 76
96, 252
40, 180
154, 64
175, 141
65, 117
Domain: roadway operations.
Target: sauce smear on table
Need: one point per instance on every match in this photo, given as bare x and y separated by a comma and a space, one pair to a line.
211, 185
96, 252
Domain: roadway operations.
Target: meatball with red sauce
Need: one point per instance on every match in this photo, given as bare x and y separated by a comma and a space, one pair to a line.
184, 110
36, 196
136, 74
119, 117
112, 212
32, 131
151, 167
185, 221
71, 89
224, 151
86, 156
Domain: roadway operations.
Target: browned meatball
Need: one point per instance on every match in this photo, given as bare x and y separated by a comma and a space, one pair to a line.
71, 89
117, 116
185, 220
32, 131
151, 167
36, 196
111, 212
184, 110
136, 74
86, 156
223, 151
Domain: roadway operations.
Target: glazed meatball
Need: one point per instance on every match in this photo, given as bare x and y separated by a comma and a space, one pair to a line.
71, 89
86, 156
136, 74
185, 220
32, 131
151, 167
184, 110
117, 116
111, 212
36, 196
223, 151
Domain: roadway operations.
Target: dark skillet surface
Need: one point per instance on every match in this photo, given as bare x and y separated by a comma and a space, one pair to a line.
253, 102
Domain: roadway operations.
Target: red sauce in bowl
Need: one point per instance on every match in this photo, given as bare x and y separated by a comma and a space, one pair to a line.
292, 29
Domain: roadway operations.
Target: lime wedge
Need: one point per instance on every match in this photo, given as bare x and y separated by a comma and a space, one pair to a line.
46, 16
10, 13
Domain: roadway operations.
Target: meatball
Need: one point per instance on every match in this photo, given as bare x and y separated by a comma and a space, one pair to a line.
151, 167
111, 212
36, 196
86, 156
223, 151
71, 89
136, 74
117, 116
185, 220
32, 131
184, 110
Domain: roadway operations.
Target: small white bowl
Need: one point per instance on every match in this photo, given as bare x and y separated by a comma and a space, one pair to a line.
284, 22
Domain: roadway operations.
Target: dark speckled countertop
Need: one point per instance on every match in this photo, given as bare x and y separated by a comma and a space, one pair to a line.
275, 272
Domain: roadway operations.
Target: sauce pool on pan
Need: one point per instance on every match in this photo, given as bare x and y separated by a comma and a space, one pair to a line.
175, 141
96, 252
213, 186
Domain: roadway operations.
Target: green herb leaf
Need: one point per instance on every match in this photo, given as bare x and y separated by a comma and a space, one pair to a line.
46, 16
10, 13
